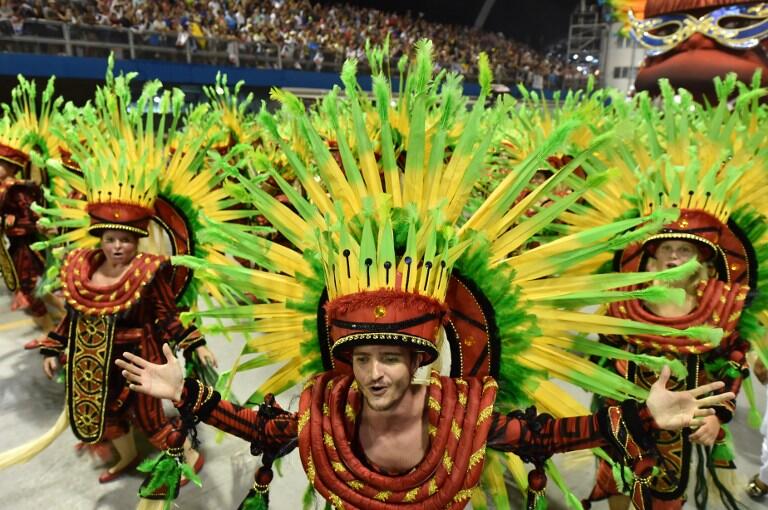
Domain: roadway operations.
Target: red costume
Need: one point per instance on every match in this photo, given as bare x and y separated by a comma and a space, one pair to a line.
20, 265
136, 314
721, 301
461, 424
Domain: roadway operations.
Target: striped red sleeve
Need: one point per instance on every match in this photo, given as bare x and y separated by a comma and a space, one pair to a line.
538, 436
264, 431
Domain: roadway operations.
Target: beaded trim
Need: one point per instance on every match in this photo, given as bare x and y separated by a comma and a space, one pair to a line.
383, 338
118, 226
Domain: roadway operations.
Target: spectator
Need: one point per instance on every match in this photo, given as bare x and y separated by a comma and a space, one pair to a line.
305, 32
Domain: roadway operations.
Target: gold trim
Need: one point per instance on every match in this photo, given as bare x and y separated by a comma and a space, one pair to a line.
384, 338
117, 226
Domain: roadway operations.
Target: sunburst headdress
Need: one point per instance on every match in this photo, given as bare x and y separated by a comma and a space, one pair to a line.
138, 171
25, 125
379, 249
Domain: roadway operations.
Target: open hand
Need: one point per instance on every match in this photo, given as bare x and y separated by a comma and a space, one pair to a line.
159, 381
674, 410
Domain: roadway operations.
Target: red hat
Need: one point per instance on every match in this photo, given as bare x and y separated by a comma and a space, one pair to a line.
384, 317
695, 226
119, 216
724, 245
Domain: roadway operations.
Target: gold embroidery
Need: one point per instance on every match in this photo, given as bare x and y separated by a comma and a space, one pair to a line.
328, 440
485, 414
447, 462
476, 457
434, 404
336, 501
311, 470
326, 410
88, 375
411, 495
432, 430
463, 399
356, 484
382, 496
349, 412
463, 495
303, 419
432, 488
338, 467
455, 429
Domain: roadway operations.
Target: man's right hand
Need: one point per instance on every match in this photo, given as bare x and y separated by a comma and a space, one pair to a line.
159, 381
50, 366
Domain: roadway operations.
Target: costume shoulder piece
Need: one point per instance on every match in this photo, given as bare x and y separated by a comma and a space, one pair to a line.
459, 417
118, 297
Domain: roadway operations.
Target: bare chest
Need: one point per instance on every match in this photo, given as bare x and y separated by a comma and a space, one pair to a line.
398, 451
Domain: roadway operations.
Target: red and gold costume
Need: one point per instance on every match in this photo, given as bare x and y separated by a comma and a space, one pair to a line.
135, 314
720, 304
382, 246
462, 424
21, 266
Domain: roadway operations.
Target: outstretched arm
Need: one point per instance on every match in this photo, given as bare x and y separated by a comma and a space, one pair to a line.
540, 436
264, 428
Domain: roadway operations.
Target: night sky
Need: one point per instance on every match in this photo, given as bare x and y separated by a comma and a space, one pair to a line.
537, 23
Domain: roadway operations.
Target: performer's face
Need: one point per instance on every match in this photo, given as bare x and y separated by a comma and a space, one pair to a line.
384, 374
673, 253
119, 247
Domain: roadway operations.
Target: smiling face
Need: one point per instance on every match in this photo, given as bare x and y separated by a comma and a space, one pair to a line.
119, 247
384, 374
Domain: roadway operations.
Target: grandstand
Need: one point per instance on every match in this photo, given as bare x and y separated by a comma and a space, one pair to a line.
285, 35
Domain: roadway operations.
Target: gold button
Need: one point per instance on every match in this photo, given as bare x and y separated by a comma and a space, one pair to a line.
379, 312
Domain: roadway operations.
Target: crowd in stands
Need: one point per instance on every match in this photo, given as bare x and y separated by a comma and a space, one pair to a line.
307, 34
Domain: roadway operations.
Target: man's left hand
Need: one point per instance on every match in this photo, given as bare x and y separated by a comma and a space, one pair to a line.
674, 410
206, 357
707, 434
